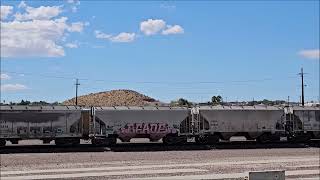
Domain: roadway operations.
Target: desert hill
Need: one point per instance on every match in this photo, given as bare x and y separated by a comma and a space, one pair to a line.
114, 98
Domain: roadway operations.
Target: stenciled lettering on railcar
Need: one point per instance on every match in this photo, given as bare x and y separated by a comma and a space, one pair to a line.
4, 124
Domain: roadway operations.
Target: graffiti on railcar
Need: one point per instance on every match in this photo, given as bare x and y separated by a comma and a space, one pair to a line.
154, 131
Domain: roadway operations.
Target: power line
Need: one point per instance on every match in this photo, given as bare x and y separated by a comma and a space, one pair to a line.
156, 82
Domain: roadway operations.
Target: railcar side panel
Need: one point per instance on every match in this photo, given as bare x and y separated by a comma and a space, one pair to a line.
307, 120
230, 122
139, 123
40, 124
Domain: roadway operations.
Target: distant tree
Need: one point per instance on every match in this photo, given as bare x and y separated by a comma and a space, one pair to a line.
24, 102
34, 103
216, 100
181, 102
40, 103
267, 102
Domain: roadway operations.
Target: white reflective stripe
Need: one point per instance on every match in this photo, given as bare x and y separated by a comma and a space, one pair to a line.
302, 172
202, 176
225, 176
96, 174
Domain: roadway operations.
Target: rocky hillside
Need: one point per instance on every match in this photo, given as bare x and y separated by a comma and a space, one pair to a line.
114, 98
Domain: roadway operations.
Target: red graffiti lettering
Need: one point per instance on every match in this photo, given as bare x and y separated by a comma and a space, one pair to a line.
147, 128
153, 128
162, 128
139, 128
153, 131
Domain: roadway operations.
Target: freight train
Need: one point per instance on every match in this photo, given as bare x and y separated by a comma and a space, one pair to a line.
67, 125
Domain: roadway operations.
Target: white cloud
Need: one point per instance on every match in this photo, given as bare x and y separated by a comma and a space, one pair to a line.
121, 37
5, 11
22, 4
35, 38
4, 76
77, 2
101, 35
152, 26
38, 32
77, 27
176, 29
310, 53
13, 87
72, 45
39, 13
74, 4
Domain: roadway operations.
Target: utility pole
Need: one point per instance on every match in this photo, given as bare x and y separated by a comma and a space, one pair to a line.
77, 84
300, 101
302, 87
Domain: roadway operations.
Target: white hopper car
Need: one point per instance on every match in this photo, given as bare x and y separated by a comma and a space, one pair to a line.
174, 125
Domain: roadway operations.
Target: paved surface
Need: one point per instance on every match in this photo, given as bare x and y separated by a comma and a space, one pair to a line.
301, 163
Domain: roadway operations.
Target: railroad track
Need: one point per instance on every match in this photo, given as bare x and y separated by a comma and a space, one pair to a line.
138, 147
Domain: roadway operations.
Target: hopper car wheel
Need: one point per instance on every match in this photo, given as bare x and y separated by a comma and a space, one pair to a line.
201, 140
267, 138
2, 142
46, 141
213, 139
300, 138
67, 142
208, 139
174, 140
14, 141
104, 141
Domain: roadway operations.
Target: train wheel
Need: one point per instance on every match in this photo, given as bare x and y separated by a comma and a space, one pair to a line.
268, 137
67, 142
174, 140
264, 138
14, 141
201, 140
46, 141
208, 139
2, 142
104, 141
249, 138
300, 138
213, 139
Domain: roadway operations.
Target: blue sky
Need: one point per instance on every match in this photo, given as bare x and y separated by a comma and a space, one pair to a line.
164, 49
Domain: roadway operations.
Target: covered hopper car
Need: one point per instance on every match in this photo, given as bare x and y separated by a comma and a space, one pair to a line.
263, 123
64, 124
174, 125
154, 123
